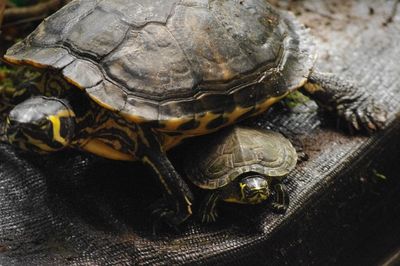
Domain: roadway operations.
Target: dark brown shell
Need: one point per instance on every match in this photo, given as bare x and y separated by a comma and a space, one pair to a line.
172, 62
223, 156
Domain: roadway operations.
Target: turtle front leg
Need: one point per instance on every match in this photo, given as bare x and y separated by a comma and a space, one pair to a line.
281, 199
208, 211
176, 207
345, 100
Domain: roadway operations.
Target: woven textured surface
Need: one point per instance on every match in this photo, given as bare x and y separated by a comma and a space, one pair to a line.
76, 209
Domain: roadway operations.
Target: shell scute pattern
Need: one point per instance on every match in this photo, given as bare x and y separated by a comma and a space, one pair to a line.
98, 39
151, 62
54, 29
239, 150
146, 11
189, 65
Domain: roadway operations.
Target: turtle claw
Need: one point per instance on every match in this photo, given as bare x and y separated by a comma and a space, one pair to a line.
209, 217
162, 215
344, 99
363, 115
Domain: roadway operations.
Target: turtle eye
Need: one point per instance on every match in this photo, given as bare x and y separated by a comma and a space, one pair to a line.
248, 192
245, 190
264, 191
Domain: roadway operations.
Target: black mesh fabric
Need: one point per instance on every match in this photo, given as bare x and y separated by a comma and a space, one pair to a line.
72, 208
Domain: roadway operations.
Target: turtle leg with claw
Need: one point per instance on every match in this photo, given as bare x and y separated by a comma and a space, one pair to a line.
208, 211
281, 199
344, 99
175, 208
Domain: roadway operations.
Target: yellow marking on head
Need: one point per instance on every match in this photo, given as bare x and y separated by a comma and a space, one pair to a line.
38, 143
55, 120
99, 148
242, 194
152, 165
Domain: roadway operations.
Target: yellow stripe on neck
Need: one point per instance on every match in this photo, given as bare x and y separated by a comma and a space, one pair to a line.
99, 148
55, 120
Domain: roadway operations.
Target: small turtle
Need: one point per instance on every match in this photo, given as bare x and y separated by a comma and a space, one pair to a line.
240, 165
130, 79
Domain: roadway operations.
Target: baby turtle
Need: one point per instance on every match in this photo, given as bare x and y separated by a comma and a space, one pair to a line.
241, 165
130, 79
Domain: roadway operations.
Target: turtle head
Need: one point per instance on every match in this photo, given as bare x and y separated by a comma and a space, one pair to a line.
41, 124
254, 188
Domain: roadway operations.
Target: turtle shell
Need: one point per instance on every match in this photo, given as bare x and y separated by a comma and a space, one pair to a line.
223, 156
181, 65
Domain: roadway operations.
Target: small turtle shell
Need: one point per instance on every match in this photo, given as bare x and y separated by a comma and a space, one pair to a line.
222, 157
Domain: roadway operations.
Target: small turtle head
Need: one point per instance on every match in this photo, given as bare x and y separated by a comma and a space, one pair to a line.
254, 189
41, 124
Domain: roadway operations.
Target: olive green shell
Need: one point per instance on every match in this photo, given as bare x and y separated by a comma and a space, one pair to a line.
223, 156
169, 62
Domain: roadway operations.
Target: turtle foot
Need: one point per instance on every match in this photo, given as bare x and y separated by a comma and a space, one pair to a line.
163, 215
347, 101
209, 216
362, 115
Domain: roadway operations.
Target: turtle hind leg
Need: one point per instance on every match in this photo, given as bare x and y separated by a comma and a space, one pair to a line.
345, 100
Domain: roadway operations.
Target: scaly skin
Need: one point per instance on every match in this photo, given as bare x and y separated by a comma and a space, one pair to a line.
345, 100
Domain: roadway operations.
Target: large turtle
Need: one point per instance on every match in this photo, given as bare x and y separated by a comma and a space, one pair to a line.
241, 165
129, 79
